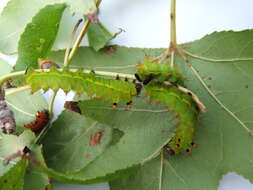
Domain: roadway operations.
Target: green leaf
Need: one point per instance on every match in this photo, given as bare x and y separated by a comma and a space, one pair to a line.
5, 68
25, 105
14, 179
39, 36
74, 141
9, 144
35, 179
11, 174
146, 129
222, 136
98, 35
26, 9
112, 58
136, 141
225, 143
147, 177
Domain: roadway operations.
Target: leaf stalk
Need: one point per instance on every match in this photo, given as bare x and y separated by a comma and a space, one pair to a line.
81, 35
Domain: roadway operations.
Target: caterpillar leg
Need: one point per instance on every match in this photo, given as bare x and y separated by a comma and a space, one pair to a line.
137, 77
138, 88
169, 150
148, 79
193, 144
129, 104
188, 151
117, 77
114, 105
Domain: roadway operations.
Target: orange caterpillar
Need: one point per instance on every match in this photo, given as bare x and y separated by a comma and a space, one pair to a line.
42, 119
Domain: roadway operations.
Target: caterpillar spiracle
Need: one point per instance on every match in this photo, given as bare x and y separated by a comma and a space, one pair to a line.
150, 70
186, 111
107, 89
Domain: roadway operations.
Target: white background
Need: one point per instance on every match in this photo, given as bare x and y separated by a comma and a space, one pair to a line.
146, 24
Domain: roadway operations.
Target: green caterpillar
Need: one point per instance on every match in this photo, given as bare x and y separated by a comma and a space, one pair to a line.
150, 70
186, 111
108, 89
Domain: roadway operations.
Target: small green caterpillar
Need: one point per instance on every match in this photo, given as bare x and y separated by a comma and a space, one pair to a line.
108, 89
150, 70
186, 111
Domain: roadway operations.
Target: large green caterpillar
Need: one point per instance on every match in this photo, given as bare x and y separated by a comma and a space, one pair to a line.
108, 89
186, 111
150, 70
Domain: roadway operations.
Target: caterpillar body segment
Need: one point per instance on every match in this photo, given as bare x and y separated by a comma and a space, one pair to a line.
150, 70
107, 89
186, 111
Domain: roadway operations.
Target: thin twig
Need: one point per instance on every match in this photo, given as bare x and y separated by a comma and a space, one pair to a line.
161, 172
81, 35
172, 59
51, 104
196, 99
79, 39
72, 35
173, 31
170, 51
16, 90
99, 73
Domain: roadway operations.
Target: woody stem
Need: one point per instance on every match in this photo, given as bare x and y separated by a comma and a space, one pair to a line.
173, 31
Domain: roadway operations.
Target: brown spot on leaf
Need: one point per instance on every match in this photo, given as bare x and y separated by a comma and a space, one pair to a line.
46, 64
93, 17
96, 138
246, 86
209, 86
8, 84
87, 156
110, 49
72, 106
209, 78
